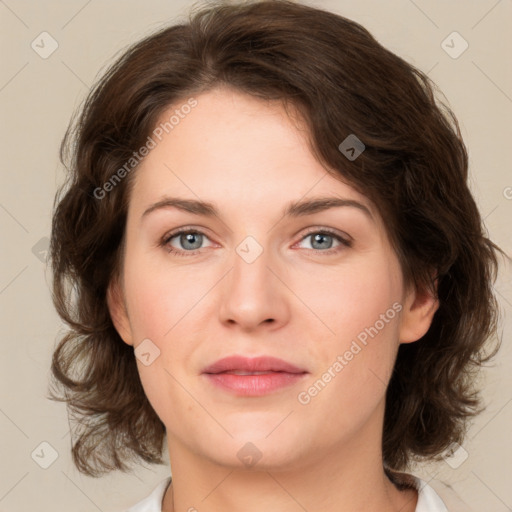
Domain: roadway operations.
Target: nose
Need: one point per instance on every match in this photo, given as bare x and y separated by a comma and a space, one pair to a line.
254, 294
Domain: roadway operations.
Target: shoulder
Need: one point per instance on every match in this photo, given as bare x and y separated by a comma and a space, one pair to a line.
453, 501
428, 499
433, 495
152, 503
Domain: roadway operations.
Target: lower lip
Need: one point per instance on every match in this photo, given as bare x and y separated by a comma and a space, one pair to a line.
254, 385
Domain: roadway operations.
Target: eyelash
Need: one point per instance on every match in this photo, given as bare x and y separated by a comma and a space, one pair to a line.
164, 242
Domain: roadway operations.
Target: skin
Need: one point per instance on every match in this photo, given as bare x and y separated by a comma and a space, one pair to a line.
250, 159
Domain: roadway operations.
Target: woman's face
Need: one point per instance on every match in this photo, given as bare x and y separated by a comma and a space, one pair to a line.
273, 274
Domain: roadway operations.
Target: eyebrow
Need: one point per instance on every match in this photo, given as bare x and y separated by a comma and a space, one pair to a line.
294, 209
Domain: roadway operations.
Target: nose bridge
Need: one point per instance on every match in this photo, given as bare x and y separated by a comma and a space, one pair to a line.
250, 264
252, 293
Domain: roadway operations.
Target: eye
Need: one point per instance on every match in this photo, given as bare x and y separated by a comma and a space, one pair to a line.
184, 242
188, 242
323, 241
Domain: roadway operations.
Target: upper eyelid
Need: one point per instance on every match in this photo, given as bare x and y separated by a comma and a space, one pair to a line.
329, 231
180, 231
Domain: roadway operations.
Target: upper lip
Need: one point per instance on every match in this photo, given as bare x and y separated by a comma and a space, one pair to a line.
255, 364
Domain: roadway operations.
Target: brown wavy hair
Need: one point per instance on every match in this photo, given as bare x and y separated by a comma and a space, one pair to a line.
414, 169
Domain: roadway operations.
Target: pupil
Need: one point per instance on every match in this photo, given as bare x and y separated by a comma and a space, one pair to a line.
321, 238
189, 238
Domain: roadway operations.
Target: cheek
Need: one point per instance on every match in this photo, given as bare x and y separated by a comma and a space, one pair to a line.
164, 306
159, 299
349, 384
361, 308
352, 298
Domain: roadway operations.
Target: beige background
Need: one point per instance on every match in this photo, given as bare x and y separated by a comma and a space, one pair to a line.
37, 98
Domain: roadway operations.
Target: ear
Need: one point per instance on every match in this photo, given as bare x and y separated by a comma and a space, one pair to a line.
118, 311
418, 313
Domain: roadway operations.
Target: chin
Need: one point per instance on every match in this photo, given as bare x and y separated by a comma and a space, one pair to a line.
254, 449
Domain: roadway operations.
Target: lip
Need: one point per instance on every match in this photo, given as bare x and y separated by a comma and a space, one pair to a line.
252, 364
276, 374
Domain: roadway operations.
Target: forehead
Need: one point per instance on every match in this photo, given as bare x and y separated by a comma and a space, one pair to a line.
235, 148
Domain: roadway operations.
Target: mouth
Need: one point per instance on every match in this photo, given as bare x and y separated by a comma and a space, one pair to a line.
255, 365
253, 376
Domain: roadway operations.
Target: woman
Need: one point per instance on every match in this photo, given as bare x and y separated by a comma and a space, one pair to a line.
319, 333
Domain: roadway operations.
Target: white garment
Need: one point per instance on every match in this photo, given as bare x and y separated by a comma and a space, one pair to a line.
428, 499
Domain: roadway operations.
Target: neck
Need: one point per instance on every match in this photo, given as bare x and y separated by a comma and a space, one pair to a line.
347, 479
